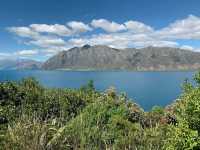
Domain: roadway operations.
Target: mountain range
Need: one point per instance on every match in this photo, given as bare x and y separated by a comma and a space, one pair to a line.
106, 58
102, 57
19, 64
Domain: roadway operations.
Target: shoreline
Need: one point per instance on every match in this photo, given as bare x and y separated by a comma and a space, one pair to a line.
100, 70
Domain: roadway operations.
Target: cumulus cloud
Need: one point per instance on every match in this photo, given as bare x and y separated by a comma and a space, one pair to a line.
101, 39
120, 40
156, 43
187, 47
37, 30
19, 54
23, 32
138, 27
78, 27
48, 42
53, 29
188, 28
56, 37
107, 25
26, 53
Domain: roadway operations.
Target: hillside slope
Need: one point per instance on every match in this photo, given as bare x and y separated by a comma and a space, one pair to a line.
103, 58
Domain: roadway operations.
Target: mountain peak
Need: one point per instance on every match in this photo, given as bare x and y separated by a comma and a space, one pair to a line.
86, 46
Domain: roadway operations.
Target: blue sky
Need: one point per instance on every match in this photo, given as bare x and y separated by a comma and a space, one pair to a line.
38, 29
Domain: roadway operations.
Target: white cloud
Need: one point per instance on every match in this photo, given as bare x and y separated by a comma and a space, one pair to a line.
188, 28
23, 32
54, 38
19, 54
107, 25
49, 42
102, 39
4, 55
138, 27
53, 29
26, 53
156, 43
36, 31
78, 27
124, 40
187, 47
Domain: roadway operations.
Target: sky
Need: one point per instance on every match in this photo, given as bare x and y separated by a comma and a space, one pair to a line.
38, 29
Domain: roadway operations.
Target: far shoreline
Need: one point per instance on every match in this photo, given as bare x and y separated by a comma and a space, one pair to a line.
102, 70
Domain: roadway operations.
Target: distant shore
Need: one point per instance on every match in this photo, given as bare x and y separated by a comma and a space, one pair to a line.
106, 70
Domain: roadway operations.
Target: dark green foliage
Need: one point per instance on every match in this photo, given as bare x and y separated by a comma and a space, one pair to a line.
89, 87
158, 110
37, 118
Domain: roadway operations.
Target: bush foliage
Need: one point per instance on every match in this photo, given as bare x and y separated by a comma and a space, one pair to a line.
38, 118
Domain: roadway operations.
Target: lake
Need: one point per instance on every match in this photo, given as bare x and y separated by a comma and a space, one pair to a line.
145, 88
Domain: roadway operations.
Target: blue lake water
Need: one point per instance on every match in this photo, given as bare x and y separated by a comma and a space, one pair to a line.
146, 88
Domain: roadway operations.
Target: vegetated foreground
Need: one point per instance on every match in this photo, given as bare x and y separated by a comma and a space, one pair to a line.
37, 118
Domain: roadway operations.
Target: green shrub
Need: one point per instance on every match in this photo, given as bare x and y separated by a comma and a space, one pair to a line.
38, 118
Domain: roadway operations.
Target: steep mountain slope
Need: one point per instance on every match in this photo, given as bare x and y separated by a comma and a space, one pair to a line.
103, 57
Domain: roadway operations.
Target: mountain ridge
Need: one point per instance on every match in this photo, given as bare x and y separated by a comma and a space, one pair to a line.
101, 57
19, 64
